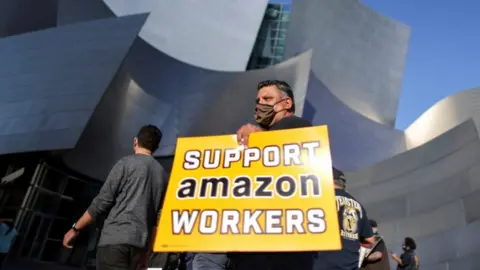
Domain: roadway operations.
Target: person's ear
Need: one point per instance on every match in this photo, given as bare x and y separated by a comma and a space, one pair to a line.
135, 141
289, 103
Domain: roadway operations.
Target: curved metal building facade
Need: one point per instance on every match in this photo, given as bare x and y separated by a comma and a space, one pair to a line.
55, 78
182, 100
77, 82
429, 193
358, 54
217, 34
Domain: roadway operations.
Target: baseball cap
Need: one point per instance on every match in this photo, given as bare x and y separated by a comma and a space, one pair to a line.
339, 176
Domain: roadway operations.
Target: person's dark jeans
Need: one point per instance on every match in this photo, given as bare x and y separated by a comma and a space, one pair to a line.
164, 260
188, 260
118, 257
210, 261
273, 261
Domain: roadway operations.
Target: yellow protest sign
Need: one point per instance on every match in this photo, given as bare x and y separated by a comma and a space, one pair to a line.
277, 195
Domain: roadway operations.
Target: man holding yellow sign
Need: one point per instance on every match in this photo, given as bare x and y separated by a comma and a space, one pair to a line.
276, 195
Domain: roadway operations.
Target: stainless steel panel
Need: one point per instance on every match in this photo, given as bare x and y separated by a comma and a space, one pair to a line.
214, 34
358, 54
52, 80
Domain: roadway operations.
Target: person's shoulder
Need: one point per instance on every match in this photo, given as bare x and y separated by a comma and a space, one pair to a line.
126, 159
121, 163
298, 121
302, 121
149, 163
137, 158
133, 162
344, 193
158, 166
291, 122
350, 196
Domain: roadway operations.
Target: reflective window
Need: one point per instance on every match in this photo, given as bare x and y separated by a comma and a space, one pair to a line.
269, 46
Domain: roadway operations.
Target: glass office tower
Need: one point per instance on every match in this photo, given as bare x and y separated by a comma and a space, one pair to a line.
270, 44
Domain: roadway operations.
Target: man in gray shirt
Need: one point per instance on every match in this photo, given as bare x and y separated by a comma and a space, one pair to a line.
130, 201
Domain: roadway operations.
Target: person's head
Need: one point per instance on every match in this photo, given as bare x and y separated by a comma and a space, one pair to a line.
339, 179
147, 140
374, 226
274, 102
409, 244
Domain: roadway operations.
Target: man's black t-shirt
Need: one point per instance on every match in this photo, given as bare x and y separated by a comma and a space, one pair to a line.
277, 260
290, 122
354, 225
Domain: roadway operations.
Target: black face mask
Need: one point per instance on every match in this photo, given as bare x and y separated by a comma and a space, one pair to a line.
265, 113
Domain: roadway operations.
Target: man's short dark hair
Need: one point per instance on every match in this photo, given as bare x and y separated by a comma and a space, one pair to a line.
149, 137
409, 242
282, 86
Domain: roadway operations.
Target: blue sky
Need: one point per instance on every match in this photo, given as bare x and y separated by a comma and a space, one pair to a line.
444, 51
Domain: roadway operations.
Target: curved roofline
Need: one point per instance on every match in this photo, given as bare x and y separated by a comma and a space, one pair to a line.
444, 115
455, 95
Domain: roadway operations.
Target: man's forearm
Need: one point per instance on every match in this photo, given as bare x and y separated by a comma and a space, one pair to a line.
397, 260
84, 221
375, 256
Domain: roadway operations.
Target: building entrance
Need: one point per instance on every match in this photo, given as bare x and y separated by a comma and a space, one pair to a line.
52, 200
